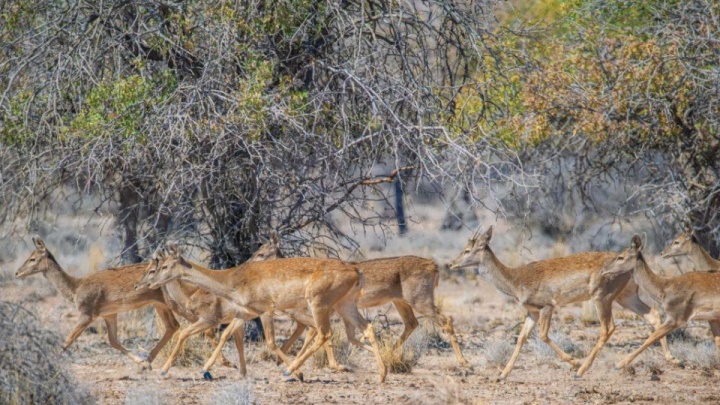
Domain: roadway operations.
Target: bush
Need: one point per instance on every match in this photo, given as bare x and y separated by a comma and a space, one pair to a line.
31, 362
497, 351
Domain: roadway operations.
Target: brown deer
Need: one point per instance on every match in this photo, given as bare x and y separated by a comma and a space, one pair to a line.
687, 245
103, 294
207, 311
408, 282
691, 296
261, 288
542, 286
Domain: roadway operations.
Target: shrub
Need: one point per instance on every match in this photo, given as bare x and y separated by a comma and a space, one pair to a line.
32, 363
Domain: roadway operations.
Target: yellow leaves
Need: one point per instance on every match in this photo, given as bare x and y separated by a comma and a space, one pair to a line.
621, 83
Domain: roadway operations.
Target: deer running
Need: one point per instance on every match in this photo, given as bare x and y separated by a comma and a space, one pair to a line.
542, 286
409, 282
260, 288
103, 294
691, 296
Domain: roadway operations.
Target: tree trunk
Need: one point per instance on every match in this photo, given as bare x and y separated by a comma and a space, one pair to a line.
400, 205
127, 218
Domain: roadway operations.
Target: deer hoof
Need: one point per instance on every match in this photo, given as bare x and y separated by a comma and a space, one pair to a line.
207, 376
291, 377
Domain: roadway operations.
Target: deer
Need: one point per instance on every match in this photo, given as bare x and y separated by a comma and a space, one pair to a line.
409, 283
691, 296
544, 285
261, 288
103, 294
686, 244
207, 311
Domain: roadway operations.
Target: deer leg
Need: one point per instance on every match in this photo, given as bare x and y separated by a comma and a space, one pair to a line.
324, 333
111, 324
715, 329
607, 327
83, 323
446, 323
171, 326
305, 318
651, 315
299, 329
214, 341
522, 338
409, 321
311, 335
544, 324
667, 327
239, 335
193, 329
269, 324
348, 310
236, 325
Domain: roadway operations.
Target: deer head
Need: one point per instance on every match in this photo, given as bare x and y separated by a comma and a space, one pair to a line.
476, 250
625, 261
39, 260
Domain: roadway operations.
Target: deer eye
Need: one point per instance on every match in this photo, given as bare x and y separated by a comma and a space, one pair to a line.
621, 258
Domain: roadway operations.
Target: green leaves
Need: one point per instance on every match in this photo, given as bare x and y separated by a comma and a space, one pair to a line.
118, 108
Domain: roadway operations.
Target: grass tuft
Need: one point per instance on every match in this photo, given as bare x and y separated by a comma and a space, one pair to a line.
497, 351
240, 393
699, 355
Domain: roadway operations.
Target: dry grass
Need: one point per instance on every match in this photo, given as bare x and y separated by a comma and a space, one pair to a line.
241, 393
700, 355
497, 351
450, 393
652, 365
146, 396
31, 362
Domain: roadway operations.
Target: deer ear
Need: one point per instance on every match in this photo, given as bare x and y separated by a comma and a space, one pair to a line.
636, 243
172, 250
38, 242
489, 233
274, 238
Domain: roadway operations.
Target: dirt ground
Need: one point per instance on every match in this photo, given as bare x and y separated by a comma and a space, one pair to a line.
487, 324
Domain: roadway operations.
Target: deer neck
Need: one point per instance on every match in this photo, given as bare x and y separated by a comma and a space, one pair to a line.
64, 283
218, 282
701, 258
653, 284
500, 275
177, 293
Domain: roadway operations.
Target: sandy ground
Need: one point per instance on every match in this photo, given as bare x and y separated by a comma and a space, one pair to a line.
485, 321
